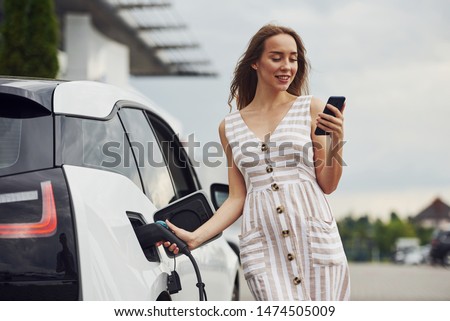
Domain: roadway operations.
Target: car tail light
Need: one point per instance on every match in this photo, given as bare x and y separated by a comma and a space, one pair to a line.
38, 253
45, 227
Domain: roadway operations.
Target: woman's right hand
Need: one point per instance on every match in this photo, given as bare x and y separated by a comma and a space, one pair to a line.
186, 236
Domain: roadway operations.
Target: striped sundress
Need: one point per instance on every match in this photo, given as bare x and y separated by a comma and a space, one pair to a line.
289, 244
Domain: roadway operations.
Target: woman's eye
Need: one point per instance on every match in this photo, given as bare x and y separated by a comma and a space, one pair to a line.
276, 59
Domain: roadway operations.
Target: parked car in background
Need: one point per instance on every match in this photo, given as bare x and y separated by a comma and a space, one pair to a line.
407, 251
82, 166
440, 248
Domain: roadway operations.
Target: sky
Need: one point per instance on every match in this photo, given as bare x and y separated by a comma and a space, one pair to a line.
390, 58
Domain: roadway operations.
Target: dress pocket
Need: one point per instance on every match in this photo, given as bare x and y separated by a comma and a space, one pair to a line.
326, 244
252, 248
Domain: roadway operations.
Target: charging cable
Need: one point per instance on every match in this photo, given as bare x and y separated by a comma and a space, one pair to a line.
152, 233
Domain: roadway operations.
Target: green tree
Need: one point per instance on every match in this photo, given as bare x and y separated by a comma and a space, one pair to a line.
388, 234
423, 233
383, 243
356, 235
363, 235
346, 227
13, 41
29, 39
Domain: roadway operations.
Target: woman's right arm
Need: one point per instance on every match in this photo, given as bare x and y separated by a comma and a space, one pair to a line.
227, 214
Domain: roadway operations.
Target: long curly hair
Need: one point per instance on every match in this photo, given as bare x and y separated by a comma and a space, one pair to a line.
243, 85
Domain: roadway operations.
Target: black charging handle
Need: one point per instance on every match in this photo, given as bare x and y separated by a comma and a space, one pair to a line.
148, 235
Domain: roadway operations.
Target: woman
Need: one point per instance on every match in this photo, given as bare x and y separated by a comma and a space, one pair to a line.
290, 246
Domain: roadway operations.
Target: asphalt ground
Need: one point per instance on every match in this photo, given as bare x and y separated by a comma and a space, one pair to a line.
390, 282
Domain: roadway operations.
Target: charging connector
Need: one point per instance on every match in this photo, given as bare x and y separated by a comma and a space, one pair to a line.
174, 283
148, 235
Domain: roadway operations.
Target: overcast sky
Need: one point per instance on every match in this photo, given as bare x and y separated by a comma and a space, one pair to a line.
390, 58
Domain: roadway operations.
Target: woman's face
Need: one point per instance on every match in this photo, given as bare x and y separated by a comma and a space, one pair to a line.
277, 66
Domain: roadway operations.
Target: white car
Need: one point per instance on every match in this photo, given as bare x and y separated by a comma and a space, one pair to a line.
82, 166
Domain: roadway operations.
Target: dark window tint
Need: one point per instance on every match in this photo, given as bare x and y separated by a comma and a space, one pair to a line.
98, 144
10, 132
152, 164
26, 135
183, 174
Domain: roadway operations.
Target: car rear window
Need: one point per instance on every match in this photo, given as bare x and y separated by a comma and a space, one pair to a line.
26, 135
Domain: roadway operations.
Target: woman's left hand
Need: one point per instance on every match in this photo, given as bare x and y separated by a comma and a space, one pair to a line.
332, 124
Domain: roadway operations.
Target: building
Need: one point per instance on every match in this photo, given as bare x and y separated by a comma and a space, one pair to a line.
108, 40
436, 215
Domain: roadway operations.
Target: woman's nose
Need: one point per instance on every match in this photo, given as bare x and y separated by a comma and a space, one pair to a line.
285, 64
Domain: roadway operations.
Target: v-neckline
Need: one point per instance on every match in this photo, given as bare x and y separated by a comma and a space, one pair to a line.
276, 127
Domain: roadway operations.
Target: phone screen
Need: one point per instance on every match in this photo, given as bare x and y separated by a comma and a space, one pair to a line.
336, 101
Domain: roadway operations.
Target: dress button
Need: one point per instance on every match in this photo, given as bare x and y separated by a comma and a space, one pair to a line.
285, 233
290, 256
280, 209
263, 147
274, 187
269, 169
297, 280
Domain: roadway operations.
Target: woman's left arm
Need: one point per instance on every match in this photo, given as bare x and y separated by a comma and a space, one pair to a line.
328, 159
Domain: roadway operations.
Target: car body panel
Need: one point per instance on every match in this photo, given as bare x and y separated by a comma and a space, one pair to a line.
112, 264
75, 98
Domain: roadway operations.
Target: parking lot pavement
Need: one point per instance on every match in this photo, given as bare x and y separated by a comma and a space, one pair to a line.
389, 282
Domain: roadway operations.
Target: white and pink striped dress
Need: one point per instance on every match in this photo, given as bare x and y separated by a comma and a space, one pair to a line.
290, 245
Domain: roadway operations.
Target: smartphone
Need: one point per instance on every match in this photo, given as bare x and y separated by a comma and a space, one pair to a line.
336, 101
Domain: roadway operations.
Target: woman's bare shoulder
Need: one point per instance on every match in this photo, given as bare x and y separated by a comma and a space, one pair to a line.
317, 105
222, 126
